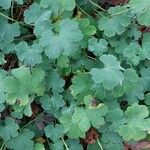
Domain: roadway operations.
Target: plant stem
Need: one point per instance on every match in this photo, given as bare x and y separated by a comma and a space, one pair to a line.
99, 13
3, 146
39, 115
9, 18
96, 5
12, 7
1, 14
118, 13
91, 57
98, 142
65, 144
83, 11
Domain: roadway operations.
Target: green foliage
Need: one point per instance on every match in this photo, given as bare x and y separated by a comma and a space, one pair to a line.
132, 54
9, 129
84, 118
23, 141
136, 127
38, 146
7, 4
7, 34
142, 9
25, 53
114, 24
69, 68
97, 47
54, 45
54, 132
22, 83
109, 76
81, 86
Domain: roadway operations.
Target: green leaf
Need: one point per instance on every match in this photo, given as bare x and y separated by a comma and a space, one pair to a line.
55, 82
46, 102
54, 102
57, 102
130, 80
81, 84
116, 119
2, 107
25, 53
28, 110
132, 54
9, 129
142, 8
7, 34
63, 61
80, 3
58, 6
86, 117
144, 18
36, 14
118, 44
22, 83
134, 32
3, 75
22, 141
139, 6
92, 146
81, 119
145, 78
58, 145
110, 76
98, 47
68, 66
116, 23
86, 27
147, 99
145, 53
135, 94
137, 125
38, 146
72, 129
112, 141
87, 30
68, 4
54, 44
2, 59
74, 144
6, 4
54, 6
54, 132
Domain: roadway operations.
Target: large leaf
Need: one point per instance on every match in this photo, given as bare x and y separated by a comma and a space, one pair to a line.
22, 83
110, 76
136, 127
116, 23
65, 42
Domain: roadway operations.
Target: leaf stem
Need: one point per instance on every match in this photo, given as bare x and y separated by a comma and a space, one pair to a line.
65, 144
1, 14
99, 13
84, 11
9, 18
91, 57
12, 7
118, 13
39, 115
99, 144
97, 6
3, 146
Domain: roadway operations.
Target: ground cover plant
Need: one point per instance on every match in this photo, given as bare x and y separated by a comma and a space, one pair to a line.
74, 75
